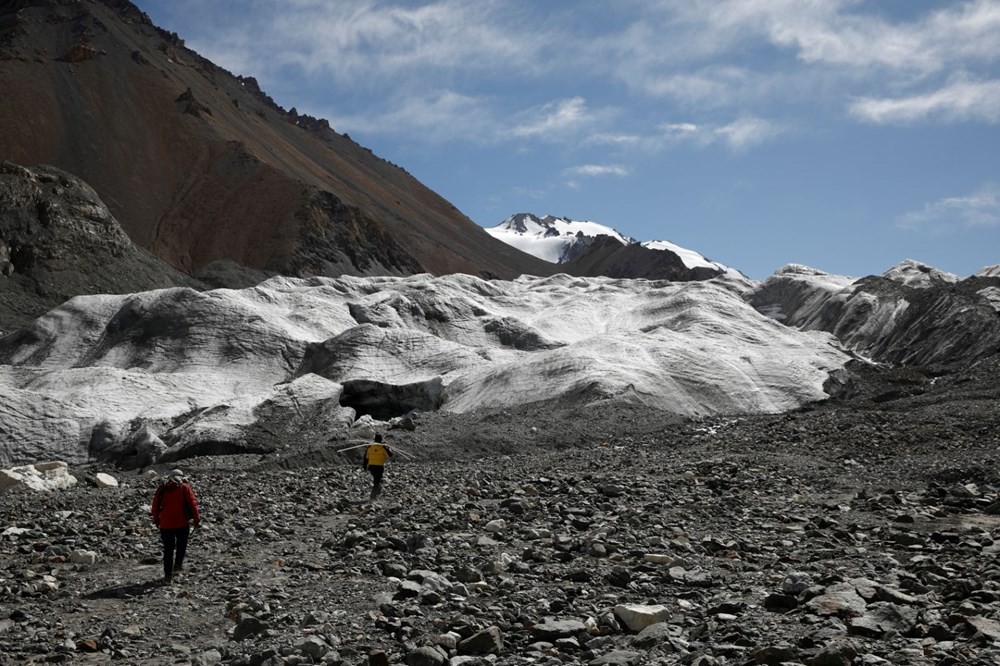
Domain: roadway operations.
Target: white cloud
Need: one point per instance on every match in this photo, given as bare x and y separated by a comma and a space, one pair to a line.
596, 170
958, 101
842, 33
980, 209
553, 120
738, 135
681, 130
621, 140
360, 40
699, 56
746, 132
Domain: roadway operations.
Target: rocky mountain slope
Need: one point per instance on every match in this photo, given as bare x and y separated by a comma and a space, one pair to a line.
845, 534
200, 166
912, 315
58, 240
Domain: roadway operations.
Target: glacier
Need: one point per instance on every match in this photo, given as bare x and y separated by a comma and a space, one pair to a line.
165, 374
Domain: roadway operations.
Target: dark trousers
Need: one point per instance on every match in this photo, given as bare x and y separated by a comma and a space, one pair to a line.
377, 471
175, 543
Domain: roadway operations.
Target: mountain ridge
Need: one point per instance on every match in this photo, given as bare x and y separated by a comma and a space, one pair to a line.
201, 166
590, 248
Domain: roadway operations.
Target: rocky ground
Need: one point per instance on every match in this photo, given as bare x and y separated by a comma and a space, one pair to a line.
858, 532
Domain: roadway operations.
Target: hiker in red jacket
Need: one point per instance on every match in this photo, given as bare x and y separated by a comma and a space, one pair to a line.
175, 510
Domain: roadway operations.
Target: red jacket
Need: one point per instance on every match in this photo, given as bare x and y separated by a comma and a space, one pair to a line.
174, 505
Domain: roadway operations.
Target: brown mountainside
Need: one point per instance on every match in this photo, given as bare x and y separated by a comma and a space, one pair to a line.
200, 166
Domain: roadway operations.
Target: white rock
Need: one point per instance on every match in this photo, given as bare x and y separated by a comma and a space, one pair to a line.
497, 525
105, 480
83, 557
39, 477
658, 558
637, 617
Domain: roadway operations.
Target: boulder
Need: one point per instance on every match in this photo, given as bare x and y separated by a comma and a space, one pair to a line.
38, 477
104, 480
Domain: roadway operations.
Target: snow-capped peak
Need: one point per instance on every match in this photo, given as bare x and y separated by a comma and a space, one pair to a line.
560, 239
554, 239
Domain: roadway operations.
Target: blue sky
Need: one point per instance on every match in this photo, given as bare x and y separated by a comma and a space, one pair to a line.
842, 134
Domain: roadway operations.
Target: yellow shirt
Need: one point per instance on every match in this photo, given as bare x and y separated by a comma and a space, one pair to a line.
376, 454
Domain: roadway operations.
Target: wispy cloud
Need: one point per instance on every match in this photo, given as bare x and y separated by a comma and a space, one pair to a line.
959, 101
438, 117
980, 209
703, 58
843, 33
553, 119
738, 135
572, 174
360, 41
596, 170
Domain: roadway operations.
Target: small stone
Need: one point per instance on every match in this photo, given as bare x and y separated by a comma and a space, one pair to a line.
248, 626
425, 656
314, 646
617, 658
774, 655
83, 557
658, 558
881, 618
841, 599
87, 645
207, 658
637, 617
837, 653
552, 630
487, 641
796, 582
494, 526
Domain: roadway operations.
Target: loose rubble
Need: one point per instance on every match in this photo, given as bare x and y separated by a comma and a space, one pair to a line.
858, 534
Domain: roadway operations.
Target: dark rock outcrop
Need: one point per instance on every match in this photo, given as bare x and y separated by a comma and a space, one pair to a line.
607, 256
886, 319
58, 240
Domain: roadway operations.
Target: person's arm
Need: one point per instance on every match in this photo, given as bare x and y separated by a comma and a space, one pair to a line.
192, 503
364, 461
156, 506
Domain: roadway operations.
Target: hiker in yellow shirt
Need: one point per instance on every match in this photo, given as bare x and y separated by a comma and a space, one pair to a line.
376, 456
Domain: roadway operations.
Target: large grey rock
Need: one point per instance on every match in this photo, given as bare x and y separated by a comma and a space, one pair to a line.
639, 616
487, 641
881, 618
841, 599
551, 629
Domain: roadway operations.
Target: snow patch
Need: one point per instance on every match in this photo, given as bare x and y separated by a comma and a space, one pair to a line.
918, 275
